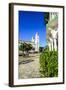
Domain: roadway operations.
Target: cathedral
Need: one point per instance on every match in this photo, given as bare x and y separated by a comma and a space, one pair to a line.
34, 42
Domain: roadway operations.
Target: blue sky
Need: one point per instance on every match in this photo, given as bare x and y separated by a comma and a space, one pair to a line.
30, 23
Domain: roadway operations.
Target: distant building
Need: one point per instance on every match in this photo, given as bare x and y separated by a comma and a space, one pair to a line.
34, 42
52, 31
37, 42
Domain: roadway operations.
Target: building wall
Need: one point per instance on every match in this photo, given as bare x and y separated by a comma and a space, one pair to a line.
52, 31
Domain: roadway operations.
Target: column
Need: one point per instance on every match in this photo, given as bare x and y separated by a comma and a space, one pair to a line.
55, 45
52, 45
49, 44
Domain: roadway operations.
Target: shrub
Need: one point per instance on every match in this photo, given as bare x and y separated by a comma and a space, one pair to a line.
49, 63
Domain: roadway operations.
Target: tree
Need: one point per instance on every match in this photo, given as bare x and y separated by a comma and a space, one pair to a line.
41, 49
25, 47
46, 17
22, 48
28, 47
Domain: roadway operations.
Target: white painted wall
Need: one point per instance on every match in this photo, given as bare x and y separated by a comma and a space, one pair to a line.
4, 45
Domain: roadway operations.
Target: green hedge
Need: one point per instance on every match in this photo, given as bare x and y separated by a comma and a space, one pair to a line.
49, 64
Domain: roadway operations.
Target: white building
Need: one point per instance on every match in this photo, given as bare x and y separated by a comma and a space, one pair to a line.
34, 42
52, 31
37, 42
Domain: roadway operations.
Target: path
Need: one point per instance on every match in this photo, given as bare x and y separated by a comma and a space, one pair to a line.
29, 67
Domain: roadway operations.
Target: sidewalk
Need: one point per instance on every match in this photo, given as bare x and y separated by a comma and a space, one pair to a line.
29, 67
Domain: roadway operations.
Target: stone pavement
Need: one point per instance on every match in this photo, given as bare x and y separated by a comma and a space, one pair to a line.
29, 67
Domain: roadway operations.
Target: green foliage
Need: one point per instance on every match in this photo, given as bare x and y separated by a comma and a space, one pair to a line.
22, 47
49, 63
28, 47
41, 49
25, 47
46, 17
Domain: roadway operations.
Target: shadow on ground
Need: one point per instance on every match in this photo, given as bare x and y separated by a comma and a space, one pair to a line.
26, 61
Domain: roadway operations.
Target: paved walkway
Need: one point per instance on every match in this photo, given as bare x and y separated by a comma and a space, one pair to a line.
29, 66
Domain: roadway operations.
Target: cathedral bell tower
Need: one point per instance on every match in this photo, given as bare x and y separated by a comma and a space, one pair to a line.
37, 42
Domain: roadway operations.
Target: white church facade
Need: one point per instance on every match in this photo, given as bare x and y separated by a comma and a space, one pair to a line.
34, 42
52, 31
